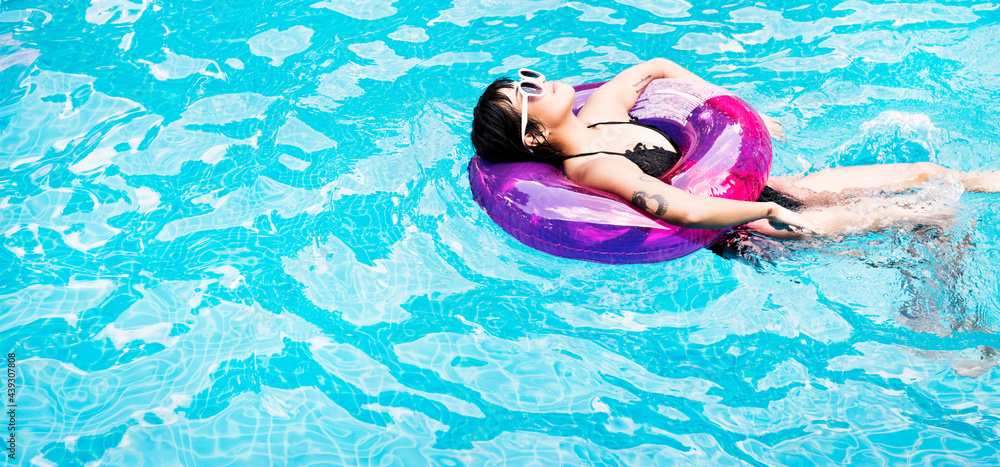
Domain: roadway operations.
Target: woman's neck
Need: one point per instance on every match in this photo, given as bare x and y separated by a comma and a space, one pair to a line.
572, 136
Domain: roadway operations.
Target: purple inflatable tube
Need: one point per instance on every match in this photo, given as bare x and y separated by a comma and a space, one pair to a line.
725, 152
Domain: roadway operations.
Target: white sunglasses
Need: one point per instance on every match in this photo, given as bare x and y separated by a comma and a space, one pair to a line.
531, 84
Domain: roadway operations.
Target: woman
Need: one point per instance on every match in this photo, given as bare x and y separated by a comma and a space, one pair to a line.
533, 120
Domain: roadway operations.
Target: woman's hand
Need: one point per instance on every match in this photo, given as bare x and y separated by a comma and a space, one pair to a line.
783, 219
773, 127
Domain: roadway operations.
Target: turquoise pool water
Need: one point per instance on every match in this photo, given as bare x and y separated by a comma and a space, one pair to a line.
240, 233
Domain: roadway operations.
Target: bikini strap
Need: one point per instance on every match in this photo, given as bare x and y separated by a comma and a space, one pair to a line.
595, 152
644, 125
612, 123
631, 122
603, 152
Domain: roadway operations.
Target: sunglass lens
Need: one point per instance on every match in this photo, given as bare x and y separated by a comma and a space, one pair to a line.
530, 74
531, 89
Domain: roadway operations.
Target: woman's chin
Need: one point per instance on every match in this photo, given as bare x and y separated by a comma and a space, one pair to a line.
564, 91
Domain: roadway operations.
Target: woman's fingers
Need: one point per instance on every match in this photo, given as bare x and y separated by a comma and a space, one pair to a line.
793, 222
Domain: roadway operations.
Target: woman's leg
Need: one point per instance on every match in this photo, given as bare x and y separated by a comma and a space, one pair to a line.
840, 202
874, 214
862, 216
828, 204
867, 177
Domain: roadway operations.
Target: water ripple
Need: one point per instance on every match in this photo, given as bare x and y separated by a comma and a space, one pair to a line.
360, 9
547, 374
365, 295
278, 45
176, 66
242, 234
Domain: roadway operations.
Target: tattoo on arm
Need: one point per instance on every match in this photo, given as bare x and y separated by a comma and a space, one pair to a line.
641, 200
639, 85
647, 178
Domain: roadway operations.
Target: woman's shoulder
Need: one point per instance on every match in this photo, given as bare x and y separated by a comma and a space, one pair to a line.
595, 111
580, 169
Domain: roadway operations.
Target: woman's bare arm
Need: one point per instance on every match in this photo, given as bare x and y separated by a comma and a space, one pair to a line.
616, 97
623, 178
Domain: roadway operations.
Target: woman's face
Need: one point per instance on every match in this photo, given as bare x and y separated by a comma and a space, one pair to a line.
549, 109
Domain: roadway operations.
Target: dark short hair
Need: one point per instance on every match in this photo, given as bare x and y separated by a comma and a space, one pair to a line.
496, 129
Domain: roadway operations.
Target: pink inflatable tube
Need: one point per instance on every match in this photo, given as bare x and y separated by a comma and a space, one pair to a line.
726, 152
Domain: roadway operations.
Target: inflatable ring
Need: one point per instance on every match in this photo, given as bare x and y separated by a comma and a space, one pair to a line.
725, 152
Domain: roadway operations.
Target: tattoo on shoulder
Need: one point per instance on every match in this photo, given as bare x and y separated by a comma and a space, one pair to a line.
646, 202
639, 84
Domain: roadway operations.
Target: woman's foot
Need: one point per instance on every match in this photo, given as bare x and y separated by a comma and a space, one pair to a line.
983, 182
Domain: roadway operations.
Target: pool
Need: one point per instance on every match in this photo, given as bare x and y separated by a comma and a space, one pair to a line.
240, 233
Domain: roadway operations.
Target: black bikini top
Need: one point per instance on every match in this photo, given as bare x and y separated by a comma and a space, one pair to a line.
653, 161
